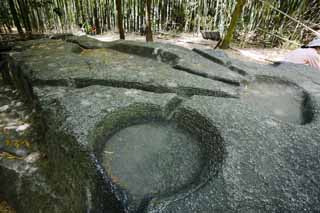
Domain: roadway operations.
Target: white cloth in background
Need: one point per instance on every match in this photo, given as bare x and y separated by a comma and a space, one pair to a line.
307, 56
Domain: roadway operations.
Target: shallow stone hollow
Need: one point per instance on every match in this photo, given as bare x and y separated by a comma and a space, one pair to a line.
280, 99
152, 159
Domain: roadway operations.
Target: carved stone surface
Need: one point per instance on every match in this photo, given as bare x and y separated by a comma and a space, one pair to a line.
136, 127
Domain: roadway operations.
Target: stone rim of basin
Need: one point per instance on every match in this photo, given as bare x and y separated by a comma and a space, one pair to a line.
143, 164
275, 96
208, 140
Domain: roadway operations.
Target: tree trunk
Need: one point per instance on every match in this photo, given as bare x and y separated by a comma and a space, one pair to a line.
25, 17
40, 20
35, 24
108, 15
128, 9
88, 16
134, 16
8, 27
148, 21
141, 14
96, 17
82, 12
77, 12
15, 17
159, 15
120, 19
138, 15
27, 12
153, 13
66, 15
235, 15
115, 14
198, 17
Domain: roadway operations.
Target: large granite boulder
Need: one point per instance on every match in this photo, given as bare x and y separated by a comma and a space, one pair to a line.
136, 127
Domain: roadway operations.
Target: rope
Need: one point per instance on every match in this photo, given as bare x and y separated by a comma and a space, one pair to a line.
287, 40
296, 20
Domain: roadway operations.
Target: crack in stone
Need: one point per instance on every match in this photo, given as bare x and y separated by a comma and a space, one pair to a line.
175, 64
181, 91
207, 56
205, 75
221, 62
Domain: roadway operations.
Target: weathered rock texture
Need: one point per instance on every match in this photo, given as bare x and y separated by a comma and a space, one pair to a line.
135, 127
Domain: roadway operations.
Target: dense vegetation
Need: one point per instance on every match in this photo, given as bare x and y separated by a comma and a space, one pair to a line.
261, 20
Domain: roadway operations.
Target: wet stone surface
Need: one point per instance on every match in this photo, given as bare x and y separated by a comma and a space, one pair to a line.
136, 127
279, 99
140, 159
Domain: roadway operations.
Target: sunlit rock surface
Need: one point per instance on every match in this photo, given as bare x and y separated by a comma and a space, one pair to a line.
135, 127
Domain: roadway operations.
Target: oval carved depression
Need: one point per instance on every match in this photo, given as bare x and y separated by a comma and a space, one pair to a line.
281, 99
152, 159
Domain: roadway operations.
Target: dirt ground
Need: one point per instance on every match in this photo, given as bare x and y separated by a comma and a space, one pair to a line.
190, 41
14, 125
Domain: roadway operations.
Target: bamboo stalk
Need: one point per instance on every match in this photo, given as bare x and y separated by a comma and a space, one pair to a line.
283, 13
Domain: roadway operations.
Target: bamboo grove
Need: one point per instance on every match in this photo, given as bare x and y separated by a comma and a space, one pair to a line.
259, 20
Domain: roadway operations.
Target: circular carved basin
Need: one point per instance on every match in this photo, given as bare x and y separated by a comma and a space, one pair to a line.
152, 159
281, 99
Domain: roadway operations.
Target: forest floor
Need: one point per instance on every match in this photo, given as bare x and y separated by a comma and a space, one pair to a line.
14, 130
190, 41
